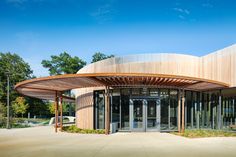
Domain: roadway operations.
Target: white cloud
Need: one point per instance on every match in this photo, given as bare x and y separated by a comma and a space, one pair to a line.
181, 13
181, 17
184, 11
103, 12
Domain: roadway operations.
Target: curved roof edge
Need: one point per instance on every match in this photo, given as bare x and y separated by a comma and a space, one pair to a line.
46, 87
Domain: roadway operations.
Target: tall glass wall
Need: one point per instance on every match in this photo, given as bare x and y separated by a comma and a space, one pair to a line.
203, 110
125, 114
99, 109
115, 107
164, 97
173, 110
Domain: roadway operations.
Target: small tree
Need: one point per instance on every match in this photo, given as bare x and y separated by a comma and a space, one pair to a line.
19, 106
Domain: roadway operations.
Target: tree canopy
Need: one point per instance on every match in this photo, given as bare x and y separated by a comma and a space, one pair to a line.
20, 106
100, 56
63, 64
18, 71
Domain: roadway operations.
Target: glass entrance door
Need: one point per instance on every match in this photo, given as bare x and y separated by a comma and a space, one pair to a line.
138, 115
145, 115
152, 115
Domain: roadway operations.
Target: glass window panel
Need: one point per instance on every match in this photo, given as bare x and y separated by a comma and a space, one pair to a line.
99, 110
164, 96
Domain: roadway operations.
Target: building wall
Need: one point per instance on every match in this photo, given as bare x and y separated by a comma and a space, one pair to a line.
218, 66
84, 107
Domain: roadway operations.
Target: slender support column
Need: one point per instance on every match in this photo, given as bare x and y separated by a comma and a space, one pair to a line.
192, 106
56, 111
183, 103
203, 110
185, 116
198, 109
179, 111
8, 102
61, 113
209, 123
234, 111
219, 112
169, 115
107, 111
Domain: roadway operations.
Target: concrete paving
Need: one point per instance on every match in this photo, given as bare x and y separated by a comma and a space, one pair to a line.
43, 142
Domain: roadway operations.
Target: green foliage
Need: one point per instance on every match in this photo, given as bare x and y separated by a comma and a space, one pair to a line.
37, 107
3, 110
18, 69
74, 129
51, 107
98, 56
19, 106
63, 64
206, 133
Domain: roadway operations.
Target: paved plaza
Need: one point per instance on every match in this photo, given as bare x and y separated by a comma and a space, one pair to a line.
43, 142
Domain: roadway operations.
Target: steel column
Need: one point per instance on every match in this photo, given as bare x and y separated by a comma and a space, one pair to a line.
56, 110
183, 103
179, 111
8, 102
61, 112
219, 112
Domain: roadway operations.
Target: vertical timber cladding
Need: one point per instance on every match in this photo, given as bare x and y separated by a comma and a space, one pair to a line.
84, 107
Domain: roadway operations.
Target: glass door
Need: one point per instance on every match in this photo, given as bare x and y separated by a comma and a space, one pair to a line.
152, 115
145, 114
137, 115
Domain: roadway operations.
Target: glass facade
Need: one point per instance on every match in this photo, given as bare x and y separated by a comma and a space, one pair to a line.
99, 108
153, 109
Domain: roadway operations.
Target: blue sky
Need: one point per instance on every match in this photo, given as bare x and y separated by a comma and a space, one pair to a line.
36, 29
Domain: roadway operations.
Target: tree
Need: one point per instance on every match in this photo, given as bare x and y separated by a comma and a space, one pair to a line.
20, 106
100, 56
18, 69
51, 107
63, 64
37, 107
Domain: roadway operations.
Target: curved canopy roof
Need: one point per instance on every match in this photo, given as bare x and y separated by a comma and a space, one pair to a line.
46, 87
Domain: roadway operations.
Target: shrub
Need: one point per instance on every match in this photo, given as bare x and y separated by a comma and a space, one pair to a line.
74, 129
206, 133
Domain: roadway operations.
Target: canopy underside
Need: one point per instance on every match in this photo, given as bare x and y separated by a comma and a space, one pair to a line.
46, 87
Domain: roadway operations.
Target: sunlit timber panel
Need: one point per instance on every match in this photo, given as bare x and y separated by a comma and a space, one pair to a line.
84, 107
218, 66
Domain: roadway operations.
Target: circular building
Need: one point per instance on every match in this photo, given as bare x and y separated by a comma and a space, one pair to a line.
148, 92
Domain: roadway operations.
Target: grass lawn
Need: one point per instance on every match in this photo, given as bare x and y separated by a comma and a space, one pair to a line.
205, 133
